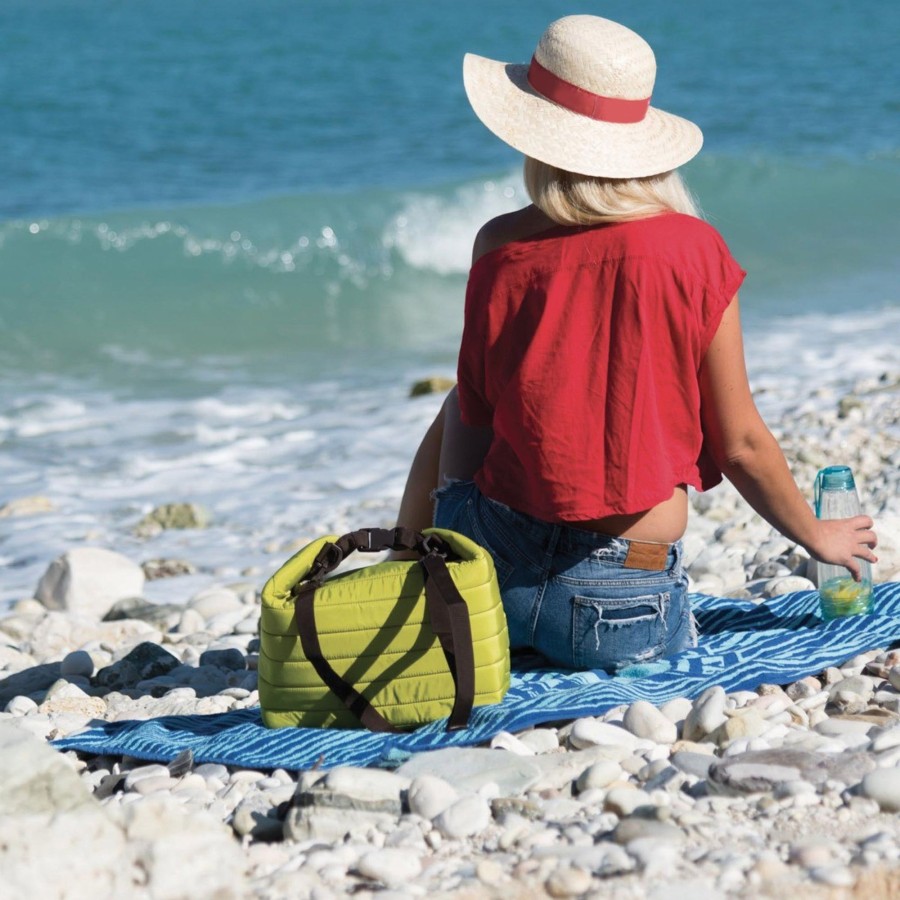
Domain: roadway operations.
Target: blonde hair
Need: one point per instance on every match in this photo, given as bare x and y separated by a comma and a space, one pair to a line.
571, 199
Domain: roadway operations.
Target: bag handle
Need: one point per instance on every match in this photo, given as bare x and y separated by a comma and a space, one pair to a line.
447, 612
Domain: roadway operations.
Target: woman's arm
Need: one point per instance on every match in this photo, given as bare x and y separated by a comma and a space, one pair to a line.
450, 449
416, 506
749, 456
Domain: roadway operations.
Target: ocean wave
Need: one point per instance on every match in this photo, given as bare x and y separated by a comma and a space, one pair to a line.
301, 273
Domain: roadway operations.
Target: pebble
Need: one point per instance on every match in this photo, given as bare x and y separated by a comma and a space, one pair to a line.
232, 660
467, 816
676, 710
696, 764
366, 784
506, 741
654, 854
599, 775
706, 715
894, 677
812, 854
883, 786
592, 733
390, 866
787, 585
490, 873
748, 724
21, 706
834, 876
79, 662
624, 801
568, 881
152, 784
886, 740
540, 740
138, 774
429, 796
644, 720
632, 828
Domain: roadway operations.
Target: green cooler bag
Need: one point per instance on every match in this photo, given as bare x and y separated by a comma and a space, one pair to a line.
389, 646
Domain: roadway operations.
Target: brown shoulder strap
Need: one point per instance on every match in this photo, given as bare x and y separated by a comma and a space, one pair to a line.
305, 613
447, 612
449, 617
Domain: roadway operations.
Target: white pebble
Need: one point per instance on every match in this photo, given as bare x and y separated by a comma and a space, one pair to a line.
21, 706
506, 741
624, 801
883, 786
591, 733
644, 720
706, 715
568, 881
467, 816
77, 663
599, 775
429, 796
540, 740
390, 866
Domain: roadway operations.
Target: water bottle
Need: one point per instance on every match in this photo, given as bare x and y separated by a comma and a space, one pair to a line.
836, 498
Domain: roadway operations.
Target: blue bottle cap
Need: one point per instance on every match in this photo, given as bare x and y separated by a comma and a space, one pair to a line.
832, 478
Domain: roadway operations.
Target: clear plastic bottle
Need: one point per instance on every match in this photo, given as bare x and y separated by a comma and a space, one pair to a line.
836, 498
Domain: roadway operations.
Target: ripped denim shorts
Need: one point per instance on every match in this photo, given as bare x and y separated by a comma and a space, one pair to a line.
565, 590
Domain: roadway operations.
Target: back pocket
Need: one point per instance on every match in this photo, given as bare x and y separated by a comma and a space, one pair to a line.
609, 634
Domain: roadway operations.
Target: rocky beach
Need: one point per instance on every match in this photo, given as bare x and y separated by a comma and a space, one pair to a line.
230, 244
788, 788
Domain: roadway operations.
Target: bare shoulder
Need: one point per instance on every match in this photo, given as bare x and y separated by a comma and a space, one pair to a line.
512, 226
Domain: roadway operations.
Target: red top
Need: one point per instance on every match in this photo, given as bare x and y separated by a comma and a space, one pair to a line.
581, 349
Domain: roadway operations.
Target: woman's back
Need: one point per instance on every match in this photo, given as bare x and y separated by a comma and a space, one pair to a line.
595, 337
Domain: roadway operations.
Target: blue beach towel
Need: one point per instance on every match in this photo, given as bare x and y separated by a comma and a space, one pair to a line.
741, 646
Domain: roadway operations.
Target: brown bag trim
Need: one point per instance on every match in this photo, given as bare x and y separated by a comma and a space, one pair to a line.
447, 612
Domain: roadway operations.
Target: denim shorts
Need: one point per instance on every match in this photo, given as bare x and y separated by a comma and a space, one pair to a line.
565, 590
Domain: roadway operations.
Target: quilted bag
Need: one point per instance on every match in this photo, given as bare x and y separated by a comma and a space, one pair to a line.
388, 646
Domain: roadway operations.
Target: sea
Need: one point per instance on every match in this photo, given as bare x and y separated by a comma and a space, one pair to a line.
233, 233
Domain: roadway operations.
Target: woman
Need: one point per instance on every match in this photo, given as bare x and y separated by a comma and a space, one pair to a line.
601, 369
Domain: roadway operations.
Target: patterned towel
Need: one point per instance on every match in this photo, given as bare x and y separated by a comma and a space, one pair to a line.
741, 646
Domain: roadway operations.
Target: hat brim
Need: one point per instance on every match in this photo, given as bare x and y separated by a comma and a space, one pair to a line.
507, 105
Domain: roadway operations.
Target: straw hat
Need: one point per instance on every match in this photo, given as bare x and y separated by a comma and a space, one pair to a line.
583, 104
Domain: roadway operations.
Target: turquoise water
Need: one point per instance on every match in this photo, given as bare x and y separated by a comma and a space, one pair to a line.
232, 233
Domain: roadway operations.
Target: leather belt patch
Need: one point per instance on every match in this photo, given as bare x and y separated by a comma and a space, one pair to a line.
644, 555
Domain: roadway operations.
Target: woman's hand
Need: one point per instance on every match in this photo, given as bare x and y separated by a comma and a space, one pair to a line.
842, 542
749, 456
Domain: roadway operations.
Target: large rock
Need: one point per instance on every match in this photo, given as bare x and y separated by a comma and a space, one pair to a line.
81, 855
470, 768
35, 778
58, 633
147, 660
88, 581
26, 506
161, 615
57, 841
434, 385
184, 854
155, 569
28, 681
324, 815
172, 515
761, 771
